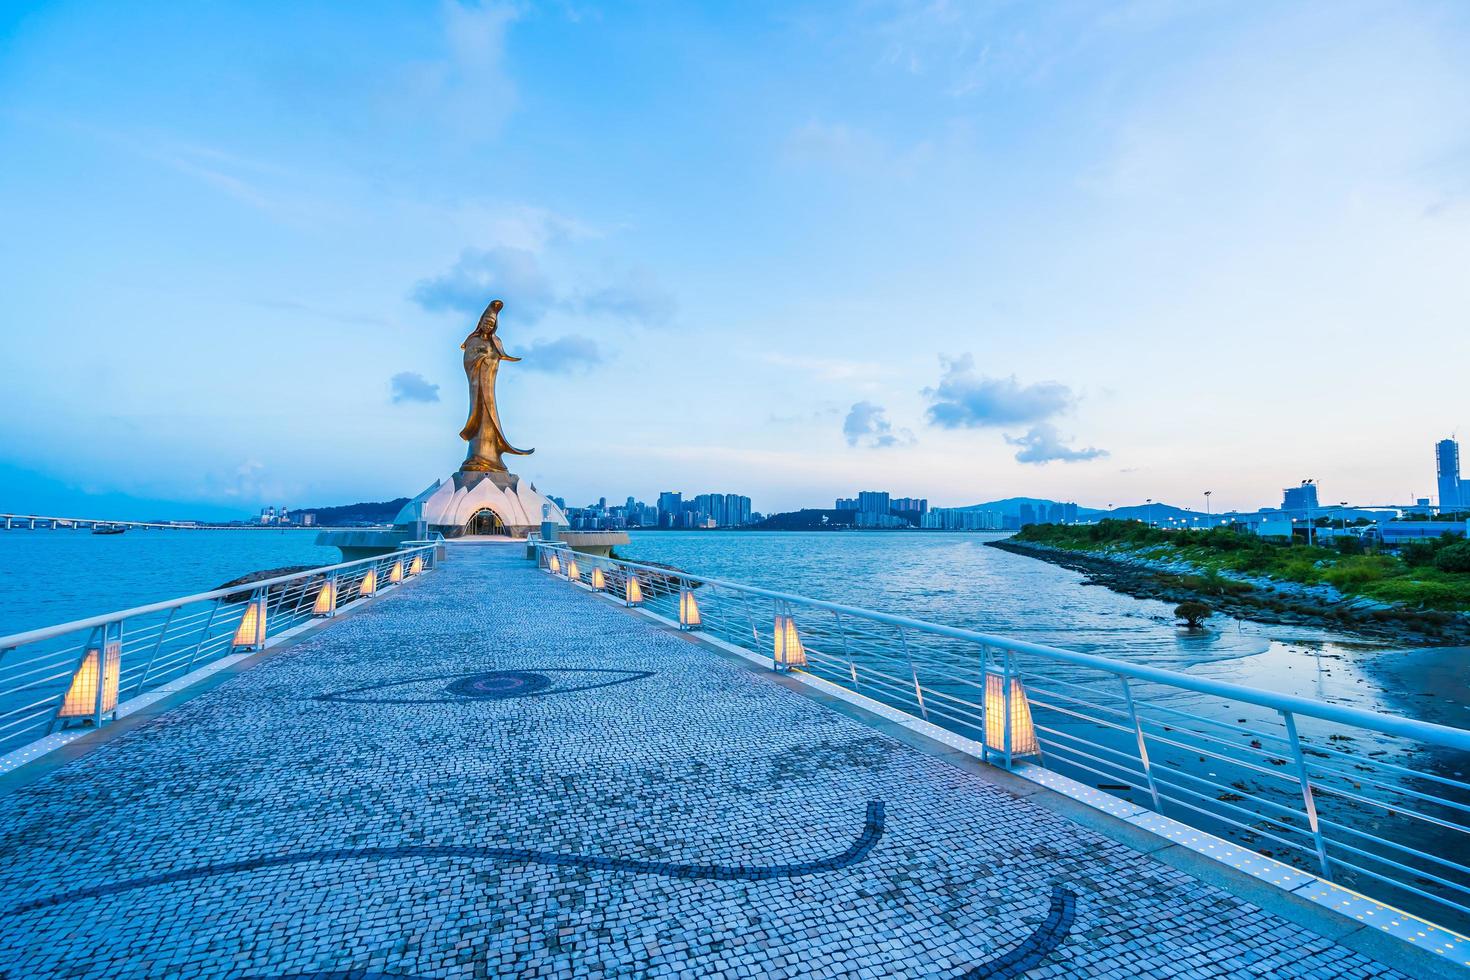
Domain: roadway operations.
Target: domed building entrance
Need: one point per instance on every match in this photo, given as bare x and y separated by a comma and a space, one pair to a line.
486, 521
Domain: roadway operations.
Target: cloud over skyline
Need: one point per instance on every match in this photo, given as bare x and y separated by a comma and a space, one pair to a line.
867, 425
1043, 444
964, 399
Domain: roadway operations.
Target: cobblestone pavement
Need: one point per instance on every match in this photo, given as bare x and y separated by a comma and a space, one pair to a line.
381, 801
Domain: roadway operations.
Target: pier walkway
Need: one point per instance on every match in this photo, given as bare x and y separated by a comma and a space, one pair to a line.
488, 773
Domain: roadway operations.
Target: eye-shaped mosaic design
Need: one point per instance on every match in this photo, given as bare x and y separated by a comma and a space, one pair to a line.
493, 685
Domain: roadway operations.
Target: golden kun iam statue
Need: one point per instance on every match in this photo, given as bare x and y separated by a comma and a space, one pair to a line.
483, 353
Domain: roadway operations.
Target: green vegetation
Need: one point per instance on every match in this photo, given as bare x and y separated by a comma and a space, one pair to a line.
1428, 574
1194, 614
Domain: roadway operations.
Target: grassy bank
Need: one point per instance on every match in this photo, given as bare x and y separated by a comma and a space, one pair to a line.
1427, 575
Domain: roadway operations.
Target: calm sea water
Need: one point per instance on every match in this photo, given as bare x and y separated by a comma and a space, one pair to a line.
58, 576
954, 579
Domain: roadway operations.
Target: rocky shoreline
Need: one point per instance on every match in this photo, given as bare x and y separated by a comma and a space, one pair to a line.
1260, 599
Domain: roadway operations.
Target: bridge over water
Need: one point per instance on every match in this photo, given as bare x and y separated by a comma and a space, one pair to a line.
486, 772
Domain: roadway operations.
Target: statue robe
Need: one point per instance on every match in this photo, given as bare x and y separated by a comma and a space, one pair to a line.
482, 357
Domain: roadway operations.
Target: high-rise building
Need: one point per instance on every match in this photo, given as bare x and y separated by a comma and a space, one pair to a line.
1452, 495
670, 505
1300, 501
873, 501
1028, 515
960, 519
919, 505
847, 503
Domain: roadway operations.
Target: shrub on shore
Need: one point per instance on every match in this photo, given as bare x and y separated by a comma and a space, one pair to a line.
1453, 557
1193, 613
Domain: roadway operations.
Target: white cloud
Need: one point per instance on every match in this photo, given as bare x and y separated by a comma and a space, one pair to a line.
868, 425
1043, 444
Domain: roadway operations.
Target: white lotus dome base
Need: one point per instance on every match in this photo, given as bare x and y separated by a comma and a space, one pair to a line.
473, 503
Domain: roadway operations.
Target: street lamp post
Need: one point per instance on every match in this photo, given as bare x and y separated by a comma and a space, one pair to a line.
1207, 505
1311, 515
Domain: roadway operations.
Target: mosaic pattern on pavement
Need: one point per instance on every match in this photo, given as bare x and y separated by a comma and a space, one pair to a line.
690, 761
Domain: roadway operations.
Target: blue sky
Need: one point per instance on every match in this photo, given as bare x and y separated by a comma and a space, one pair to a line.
964, 251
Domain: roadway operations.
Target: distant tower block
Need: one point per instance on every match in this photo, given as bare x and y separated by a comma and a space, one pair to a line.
1452, 492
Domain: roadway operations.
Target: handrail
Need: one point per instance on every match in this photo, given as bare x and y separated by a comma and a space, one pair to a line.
1425, 731
47, 632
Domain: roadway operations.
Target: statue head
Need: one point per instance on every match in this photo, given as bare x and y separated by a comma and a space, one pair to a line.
490, 318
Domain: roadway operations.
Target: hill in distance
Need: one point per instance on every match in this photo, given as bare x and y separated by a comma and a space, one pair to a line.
376, 512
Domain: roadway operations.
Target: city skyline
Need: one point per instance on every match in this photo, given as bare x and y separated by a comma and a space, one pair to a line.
1061, 252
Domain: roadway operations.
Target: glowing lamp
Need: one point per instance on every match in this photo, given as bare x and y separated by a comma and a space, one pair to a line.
326, 599
83, 699
574, 574
369, 583
688, 611
599, 581
251, 631
1007, 711
417, 565
789, 652
395, 574
632, 591
554, 565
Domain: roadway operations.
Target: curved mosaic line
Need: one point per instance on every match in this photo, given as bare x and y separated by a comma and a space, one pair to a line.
1047, 937
345, 696
871, 833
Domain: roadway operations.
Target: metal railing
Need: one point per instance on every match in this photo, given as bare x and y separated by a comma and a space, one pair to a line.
78, 672
1368, 800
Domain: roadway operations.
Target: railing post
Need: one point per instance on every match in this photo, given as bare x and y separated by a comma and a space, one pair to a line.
914, 673
102, 658
1307, 797
1006, 689
1148, 771
984, 697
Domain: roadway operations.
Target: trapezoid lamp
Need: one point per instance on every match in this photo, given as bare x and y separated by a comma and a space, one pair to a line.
688, 610
395, 574
93, 691
632, 590
788, 652
574, 574
369, 583
555, 565
599, 581
417, 565
250, 634
326, 599
1008, 727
